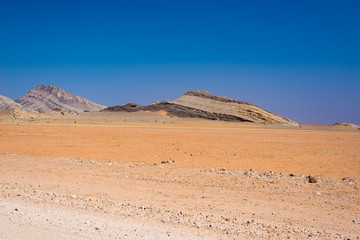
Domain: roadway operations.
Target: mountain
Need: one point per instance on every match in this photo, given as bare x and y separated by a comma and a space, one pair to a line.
45, 99
201, 104
344, 124
13, 109
222, 105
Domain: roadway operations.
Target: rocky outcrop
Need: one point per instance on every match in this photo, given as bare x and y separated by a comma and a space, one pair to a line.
176, 110
130, 107
222, 105
45, 99
15, 109
344, 124
201, 104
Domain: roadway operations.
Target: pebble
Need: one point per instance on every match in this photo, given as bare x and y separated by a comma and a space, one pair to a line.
312, 179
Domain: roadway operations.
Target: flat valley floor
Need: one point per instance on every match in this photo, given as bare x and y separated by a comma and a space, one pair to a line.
163, 178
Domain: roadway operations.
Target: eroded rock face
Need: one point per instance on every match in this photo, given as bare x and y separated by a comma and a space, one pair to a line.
45, 99
15, 109
222, 105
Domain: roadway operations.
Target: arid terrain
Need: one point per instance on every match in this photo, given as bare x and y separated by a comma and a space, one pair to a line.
151, 176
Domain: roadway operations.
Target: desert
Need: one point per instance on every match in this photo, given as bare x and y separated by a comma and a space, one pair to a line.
121, 175
179, 120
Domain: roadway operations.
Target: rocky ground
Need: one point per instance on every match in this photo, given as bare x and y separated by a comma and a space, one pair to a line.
62, 198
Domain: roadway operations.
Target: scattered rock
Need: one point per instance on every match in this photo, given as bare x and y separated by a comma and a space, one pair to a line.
167, 162
312, 179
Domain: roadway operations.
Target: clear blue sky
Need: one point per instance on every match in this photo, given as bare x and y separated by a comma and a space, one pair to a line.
300, 59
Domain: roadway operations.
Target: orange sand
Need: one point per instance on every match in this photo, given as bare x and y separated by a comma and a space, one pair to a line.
328, 153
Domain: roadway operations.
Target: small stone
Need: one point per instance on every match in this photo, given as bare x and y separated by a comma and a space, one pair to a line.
318, 193
312, 179
16, 209
96, 228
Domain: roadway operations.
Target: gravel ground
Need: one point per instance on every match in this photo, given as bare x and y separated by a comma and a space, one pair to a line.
43, 198
24, 222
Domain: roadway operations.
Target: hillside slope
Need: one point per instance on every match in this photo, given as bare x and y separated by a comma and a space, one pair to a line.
12, 109
222, 105
201, 104
45, 99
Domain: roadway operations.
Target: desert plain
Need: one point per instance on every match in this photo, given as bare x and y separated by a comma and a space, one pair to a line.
149, 176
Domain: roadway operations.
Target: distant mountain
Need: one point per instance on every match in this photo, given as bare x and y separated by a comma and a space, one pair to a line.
45, 99
13, 109
201, 104
344, 124
222, 105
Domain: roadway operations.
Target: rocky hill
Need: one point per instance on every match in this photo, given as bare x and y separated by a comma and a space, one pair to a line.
173, 109
13, 109
45, 99
222, 105
344, 124
201, 104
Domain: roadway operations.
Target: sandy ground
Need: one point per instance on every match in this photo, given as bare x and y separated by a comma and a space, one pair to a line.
100, 180
199, 144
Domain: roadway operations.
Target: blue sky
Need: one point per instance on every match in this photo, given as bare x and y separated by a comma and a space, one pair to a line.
300, 59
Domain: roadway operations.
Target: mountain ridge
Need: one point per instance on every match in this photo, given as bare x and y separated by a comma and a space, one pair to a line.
206, 94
